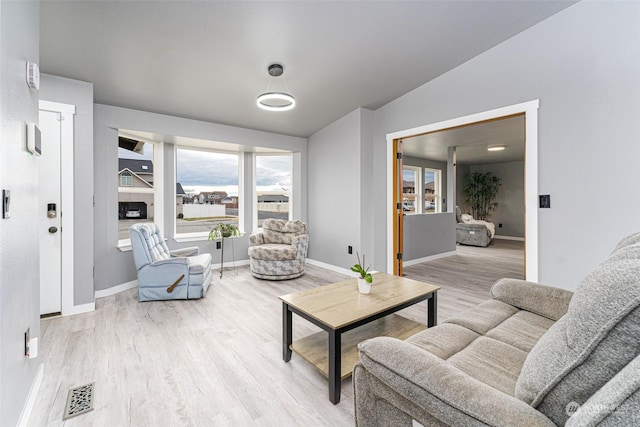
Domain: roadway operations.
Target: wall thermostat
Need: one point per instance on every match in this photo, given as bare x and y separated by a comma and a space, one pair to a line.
33, 75
34, 139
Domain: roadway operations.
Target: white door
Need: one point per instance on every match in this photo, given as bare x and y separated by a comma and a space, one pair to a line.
49, 212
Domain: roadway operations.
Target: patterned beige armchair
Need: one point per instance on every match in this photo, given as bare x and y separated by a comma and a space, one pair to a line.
280, 251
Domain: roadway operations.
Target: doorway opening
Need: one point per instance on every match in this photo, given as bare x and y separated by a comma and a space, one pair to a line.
395, 217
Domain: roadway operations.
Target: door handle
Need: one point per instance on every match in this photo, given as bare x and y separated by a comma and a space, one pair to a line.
53, 229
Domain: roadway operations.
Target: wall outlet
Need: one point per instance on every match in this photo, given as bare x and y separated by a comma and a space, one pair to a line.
218, 245
350, 250
500, 225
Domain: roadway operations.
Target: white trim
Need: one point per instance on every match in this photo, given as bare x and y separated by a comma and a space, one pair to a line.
31, 398
530, 109
191, 237
519, 239
116, 289
331, 267
80, 309
238, 263
427, 258
67, 113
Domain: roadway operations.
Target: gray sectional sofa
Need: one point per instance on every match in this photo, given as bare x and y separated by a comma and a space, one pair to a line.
534, 355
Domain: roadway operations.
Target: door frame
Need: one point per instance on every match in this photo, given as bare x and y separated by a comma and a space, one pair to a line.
67, 113
530, 110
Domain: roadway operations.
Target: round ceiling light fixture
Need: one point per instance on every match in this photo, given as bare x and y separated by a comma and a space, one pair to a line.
272, 100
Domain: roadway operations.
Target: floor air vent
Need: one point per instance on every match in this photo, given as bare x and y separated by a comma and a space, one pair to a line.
79, 401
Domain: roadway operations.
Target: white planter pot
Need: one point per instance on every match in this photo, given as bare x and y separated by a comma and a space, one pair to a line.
363, 286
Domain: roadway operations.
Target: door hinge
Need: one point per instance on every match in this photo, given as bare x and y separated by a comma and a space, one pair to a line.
398, 156
399, 255
398, 205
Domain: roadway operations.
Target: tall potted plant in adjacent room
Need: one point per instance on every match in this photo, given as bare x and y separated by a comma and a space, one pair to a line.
481, 189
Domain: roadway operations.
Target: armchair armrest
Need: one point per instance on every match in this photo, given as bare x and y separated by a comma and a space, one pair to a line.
442, 390
544, 300
185, 252
256, 239
301, 243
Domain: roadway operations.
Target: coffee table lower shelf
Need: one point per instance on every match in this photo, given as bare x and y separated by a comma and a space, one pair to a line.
314, 348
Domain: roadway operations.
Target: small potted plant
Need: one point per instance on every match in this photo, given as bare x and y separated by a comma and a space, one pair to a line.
365, 279
221, 230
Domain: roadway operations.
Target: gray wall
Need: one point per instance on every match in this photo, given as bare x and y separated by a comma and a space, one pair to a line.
19, 274
114, 267
427, 235
335, 180
510, 210
583, 64
80, 94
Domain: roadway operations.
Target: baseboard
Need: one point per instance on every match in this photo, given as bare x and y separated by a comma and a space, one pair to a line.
331, 267
519, 239
230, 264
79, 309
116, 289
31, 398
411, 262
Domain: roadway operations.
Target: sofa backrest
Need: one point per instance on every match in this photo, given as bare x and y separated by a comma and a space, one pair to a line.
281, 231
147, 244
597, 338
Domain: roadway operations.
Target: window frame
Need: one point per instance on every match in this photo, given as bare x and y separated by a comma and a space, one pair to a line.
157, 189
437, 189
204, 235
256, 228
417, 206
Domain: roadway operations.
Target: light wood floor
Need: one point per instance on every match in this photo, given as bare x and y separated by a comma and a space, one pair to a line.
218, 361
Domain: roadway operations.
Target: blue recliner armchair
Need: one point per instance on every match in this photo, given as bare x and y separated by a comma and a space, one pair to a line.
164, 274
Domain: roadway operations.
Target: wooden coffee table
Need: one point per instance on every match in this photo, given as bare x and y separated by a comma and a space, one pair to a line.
339, 308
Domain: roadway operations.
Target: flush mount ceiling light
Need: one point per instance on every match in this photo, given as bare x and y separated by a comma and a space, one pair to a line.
273, 100
496, 148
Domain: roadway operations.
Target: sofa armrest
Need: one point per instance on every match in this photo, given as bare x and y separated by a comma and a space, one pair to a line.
256, 239
544, 300
444, 391
185, 252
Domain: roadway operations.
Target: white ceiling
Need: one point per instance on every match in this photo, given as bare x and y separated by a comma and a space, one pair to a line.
471, 142
207, 60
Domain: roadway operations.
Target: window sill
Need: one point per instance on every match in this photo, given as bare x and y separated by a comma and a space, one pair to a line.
124, 247
196, 237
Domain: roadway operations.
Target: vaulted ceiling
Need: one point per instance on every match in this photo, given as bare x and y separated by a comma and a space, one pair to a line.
208, 60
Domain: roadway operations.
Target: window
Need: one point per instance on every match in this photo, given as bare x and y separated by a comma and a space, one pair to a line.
137, 194
272, 188
410, 182
207, 190
432, 191
126, 179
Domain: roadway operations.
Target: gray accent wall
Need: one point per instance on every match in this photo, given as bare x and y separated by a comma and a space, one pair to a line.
583, 65
19, 240
115, 267
80, 94
510, 199
428, 235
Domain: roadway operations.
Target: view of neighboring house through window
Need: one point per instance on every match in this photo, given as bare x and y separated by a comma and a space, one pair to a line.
432, 191
207, 189
273, 187
136, 191
410, 182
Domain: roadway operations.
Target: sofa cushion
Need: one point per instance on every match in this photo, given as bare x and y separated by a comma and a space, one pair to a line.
273, 252
598, 336
444, 341
522, 330
481, 318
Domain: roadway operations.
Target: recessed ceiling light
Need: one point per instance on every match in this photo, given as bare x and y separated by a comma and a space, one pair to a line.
496, 148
